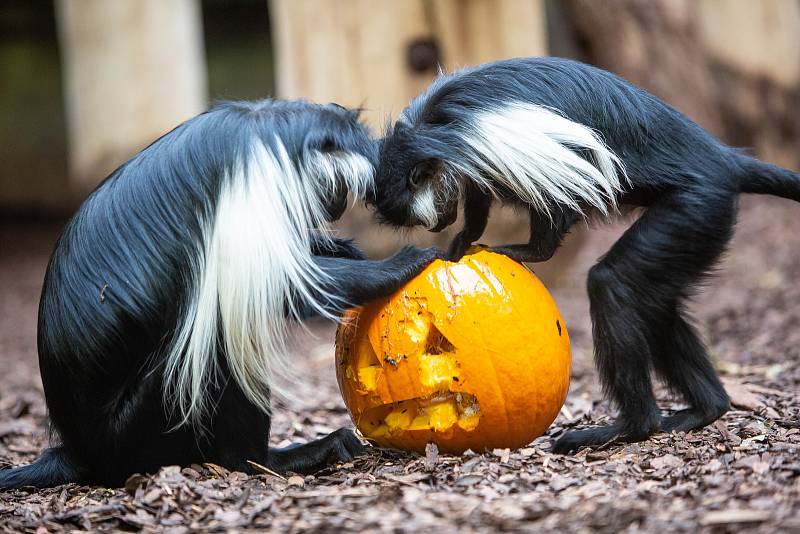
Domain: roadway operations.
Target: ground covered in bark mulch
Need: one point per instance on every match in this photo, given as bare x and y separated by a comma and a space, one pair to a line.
742, 473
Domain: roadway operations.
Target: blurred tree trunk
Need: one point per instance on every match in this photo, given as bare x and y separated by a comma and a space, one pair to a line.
733, 67
133, 70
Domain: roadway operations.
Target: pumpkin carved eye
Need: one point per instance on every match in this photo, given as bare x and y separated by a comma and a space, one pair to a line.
465, 355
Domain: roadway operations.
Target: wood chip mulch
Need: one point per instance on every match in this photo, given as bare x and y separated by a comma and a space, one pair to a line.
740, 474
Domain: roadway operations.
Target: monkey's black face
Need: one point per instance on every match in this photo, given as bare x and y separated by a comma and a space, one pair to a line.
412, 183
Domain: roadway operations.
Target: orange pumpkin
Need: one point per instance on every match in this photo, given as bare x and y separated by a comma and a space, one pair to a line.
468, 355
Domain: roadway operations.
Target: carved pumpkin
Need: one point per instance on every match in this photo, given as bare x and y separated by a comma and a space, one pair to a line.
469, 355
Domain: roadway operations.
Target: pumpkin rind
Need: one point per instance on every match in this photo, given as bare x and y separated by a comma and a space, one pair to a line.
469, 355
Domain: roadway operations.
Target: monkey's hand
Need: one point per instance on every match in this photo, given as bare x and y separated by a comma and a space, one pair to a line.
617, 432
339, 446
458, 246
524, 253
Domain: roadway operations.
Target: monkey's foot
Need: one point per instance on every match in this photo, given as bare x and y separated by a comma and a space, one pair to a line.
599, 436
692, 418
339, 446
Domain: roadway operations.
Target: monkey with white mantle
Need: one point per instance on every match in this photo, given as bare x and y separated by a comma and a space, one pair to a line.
166, 303
565, 141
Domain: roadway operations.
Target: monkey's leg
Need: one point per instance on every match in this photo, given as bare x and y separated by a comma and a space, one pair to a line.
476, 214
622, 355
635, 292
680, 357
683, 363
546, 236
240, 433
339, 446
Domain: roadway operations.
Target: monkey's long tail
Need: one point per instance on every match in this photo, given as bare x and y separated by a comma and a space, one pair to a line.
50, 469
768, 179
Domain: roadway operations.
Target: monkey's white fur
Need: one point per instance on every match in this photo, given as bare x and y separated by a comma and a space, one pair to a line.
423, 206
444, 186
528, 149
354, 169
255, 270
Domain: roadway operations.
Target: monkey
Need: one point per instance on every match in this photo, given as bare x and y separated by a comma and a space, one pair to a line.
165, 306
566, 141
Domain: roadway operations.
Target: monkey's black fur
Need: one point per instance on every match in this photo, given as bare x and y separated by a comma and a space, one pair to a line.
119, 281
687, 181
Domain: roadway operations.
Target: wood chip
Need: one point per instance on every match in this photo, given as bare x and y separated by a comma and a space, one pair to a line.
296, 480
741, 396
431, 456
727, 517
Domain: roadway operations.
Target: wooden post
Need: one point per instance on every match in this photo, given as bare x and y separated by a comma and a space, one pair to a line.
477, 31
133, 71
356, 52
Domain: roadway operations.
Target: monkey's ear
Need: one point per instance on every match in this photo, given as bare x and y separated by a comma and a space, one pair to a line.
423, 172
351, 113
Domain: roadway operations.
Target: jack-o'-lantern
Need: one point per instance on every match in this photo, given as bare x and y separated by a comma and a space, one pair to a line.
468, 355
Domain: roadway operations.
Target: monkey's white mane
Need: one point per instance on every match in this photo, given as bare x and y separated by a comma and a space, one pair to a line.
530, 150
355, 169
423, 206
255, 271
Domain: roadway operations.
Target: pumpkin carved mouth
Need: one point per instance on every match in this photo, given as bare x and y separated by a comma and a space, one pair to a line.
439, 412
439, 372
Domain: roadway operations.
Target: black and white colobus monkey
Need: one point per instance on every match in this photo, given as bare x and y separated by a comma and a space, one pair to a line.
164, 311
562, 139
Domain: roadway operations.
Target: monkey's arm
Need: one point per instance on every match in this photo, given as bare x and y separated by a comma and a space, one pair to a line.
351, 282
336, 247
546, 236
476, 215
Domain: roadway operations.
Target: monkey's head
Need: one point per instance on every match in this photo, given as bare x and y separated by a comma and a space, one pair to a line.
414, 184
308, 156
338, 154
